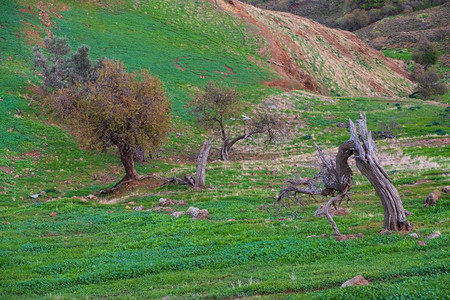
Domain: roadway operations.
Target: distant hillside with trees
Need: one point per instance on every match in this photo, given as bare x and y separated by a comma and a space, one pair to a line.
346, 14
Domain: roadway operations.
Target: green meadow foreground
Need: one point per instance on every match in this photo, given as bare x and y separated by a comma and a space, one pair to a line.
63, 245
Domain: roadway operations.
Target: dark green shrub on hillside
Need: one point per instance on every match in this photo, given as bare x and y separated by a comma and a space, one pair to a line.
58, 68
426, 54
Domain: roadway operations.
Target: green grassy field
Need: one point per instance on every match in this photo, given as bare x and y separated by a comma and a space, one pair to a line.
94, 250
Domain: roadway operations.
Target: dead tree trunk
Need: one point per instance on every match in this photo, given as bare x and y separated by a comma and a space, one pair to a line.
337, 177
369, 165
201, 165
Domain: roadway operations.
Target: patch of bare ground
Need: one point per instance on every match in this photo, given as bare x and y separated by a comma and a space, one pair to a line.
132, 189
46, 10
424, 142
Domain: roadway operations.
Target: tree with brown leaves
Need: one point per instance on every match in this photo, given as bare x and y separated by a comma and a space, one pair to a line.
120, 109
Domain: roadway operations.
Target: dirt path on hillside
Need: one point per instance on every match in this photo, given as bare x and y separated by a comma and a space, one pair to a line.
280, 59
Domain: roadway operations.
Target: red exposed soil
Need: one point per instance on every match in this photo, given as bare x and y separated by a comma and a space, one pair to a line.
231, 71
282, 61
46, 9
178, 66
27, 10
6, 170
32, 154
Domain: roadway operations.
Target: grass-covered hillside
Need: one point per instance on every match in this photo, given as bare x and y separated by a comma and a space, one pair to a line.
66, 245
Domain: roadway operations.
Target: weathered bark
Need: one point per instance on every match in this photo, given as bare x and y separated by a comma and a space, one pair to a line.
126, 157
369, 165
333, 200
201, 165
227, 144
225, 150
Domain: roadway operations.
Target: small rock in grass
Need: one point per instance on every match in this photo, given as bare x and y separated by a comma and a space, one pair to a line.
140, 207
92, 197
131, 203
203, 214
422, 243
176, 214
446, 189
357, 280
432, 198
197, 213
193, 211
434, 235
414, 235
53, 214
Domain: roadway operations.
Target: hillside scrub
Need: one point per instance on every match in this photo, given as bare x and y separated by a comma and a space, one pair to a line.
122, 109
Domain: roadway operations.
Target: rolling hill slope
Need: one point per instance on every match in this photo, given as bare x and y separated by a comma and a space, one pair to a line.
189, 43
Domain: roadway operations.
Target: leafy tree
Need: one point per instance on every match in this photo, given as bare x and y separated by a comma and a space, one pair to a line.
216, 107
58, 68
118, 108
426, 54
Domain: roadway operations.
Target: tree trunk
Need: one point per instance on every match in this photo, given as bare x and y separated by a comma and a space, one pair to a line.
201, 165
126, 157
367, 162
225, 150
227, 144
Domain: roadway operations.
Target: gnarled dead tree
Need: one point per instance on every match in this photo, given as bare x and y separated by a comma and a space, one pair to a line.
337, 178
367, 162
